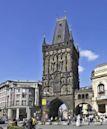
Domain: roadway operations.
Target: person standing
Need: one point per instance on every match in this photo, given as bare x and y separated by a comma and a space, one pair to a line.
78, 121
29, 123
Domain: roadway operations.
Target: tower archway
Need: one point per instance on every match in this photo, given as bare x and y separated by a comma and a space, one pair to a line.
54, 108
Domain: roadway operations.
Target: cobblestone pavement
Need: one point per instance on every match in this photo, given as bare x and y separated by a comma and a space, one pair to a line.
65, 126
4, 126
71, 127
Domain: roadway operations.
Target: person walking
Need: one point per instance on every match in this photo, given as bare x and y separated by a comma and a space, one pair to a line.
34, 122
29, 123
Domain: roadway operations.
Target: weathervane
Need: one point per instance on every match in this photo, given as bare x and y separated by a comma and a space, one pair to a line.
44, 36
65, 13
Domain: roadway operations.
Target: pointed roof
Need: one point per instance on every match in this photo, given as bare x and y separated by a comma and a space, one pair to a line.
44, 40
61, 33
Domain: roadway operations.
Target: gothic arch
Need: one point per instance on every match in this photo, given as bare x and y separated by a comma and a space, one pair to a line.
69, 89
80, 107
63, 89
83, 101
55, 107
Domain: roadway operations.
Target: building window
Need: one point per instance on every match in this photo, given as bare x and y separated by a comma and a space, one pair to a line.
17, 102
101, 88
30, 96
60, 24
23, 95
17, 96
79, 96
59, 36
63, 90
101, 108
18, 90
30, 103
24, 102
61, 56
82, 96
87, 96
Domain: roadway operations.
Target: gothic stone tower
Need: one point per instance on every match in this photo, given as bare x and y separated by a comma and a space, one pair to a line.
60, 69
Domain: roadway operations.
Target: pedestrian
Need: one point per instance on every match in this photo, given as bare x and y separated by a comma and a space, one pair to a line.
24, 125
88, 119
78, 120
29, 123
15, 122
101, 120
34, 122
69, 119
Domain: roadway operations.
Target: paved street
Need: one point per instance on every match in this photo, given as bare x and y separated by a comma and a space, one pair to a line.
71, 127
4, 126
66, 127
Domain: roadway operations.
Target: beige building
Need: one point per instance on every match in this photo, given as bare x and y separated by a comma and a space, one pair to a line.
3, 98
99, 86
19, 99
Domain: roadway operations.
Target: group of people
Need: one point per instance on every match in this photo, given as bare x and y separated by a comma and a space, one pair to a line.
27, 124
89, 119
30, 124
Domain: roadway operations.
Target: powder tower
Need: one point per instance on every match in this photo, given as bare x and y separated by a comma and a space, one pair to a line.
60, 70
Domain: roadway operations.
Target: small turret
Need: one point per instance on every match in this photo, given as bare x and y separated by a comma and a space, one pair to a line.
44, 40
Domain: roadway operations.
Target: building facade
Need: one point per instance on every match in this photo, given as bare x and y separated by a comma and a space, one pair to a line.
3, 98
99, 86
60, 70
21, 99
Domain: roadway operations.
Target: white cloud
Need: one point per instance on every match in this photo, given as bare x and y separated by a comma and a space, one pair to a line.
89, 55
81, 69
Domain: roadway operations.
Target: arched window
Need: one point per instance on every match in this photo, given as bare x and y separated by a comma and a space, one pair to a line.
87, 96
101, 88
79, 96
83, 96
69, 89
63, 90
45, 91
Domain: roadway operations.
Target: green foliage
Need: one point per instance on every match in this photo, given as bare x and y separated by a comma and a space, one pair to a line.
14, 127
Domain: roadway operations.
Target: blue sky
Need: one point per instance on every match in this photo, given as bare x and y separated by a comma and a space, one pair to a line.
23, 23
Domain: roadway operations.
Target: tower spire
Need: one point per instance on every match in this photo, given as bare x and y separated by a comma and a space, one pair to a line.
61, 33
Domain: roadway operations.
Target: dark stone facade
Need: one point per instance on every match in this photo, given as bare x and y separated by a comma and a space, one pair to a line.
60, 66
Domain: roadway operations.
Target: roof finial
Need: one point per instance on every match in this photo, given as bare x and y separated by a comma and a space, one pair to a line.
65, 13
44, 39
44, 35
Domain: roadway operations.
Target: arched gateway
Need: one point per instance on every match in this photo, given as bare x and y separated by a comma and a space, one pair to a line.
83, 108
57, 109
60, 70
54, 107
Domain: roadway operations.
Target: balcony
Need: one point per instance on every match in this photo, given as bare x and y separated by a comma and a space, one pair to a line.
101, 92
102, 97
